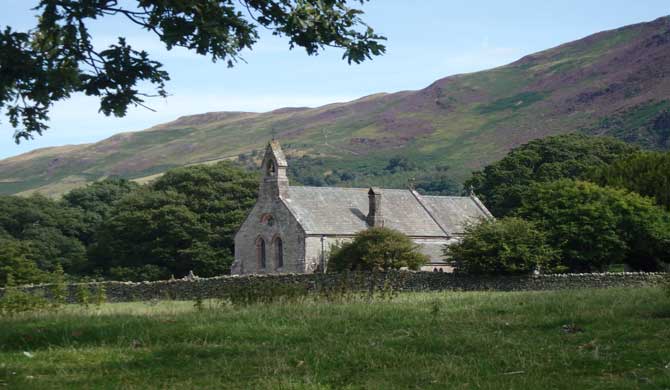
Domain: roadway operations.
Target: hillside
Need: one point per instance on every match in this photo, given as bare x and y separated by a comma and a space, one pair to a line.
612, 83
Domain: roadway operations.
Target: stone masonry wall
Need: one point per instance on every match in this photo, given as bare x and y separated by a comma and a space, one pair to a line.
283, 225
187, 289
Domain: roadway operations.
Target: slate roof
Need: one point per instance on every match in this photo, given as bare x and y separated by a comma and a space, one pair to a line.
452, 212
342, 211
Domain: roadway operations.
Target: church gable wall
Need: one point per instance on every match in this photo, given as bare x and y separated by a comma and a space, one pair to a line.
269, 220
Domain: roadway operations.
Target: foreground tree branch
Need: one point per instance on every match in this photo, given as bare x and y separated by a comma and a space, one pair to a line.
56, 58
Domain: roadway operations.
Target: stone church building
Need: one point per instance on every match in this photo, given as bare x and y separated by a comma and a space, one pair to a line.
291, 228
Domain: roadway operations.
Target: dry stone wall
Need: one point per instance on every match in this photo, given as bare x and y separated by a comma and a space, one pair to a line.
217, 287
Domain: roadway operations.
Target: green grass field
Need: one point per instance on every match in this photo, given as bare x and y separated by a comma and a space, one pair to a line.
586, 339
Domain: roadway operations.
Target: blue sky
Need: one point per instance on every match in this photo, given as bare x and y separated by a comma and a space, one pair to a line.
427, 40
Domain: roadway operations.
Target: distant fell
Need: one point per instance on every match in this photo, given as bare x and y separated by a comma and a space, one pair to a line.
614, 83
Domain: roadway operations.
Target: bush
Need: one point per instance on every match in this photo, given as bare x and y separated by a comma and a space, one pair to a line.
83, 294
376, 249
593, 226
505, 246
100, 295
58, 288
15, 301
15, 261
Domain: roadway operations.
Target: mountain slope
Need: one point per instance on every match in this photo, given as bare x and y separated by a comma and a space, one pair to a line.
612, 83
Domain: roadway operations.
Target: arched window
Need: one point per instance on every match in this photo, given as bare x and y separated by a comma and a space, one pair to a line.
271, 168
260, 252
279, 252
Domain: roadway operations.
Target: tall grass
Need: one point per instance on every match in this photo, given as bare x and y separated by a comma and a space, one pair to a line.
601, 339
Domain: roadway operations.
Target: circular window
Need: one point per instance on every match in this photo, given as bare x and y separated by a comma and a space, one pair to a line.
267, 219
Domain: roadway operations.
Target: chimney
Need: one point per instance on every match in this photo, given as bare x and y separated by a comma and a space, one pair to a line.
375, 217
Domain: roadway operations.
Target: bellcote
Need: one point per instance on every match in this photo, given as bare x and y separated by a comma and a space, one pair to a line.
274, 182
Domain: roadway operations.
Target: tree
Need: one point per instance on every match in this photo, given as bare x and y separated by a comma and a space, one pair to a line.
184, 221
148, 227
220, 194
502, 185
15, 261
376, 249
399, 164
593, 227
52, 231
505, 246
96, 201
58, 58
439, 183
647, 173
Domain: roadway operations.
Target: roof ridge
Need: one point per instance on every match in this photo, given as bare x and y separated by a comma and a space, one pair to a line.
350, 188
418, 199
446, 196
339, 188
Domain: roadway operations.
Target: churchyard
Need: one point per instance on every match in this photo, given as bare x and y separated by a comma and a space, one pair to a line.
611, 338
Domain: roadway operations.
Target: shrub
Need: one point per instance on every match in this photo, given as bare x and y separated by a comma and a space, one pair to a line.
376, 249
14, 261
15, 301
506, 246
593, 226
58, 288
100, 294
83, 294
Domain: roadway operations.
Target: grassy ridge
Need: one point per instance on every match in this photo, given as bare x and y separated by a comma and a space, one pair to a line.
596, 339
613, 83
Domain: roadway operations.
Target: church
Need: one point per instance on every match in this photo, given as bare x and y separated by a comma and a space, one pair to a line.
292, 228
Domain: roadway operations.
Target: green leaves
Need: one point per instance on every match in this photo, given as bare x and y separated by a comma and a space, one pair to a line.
184, 221
647, 173
593, 227
48, 232
568, 225
502, 185
57, 58
121, 70
505, 246
16, 266
376, 249
590, 227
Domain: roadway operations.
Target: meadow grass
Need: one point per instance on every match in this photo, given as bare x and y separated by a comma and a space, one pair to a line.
584, 339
